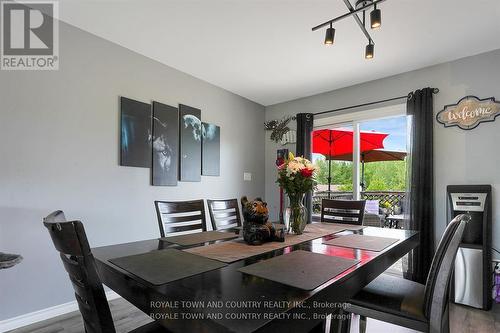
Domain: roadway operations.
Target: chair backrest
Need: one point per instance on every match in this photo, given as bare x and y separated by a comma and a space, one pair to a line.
372, 220
436, 287
343, 211
180, 217
70, 240
372, 206
224, 214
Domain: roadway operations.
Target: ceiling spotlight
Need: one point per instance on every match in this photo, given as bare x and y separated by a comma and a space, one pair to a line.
359, 12
370, 48
375, 18
330, 35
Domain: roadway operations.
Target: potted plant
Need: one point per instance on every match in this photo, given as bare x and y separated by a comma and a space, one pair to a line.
296, 178
386, 208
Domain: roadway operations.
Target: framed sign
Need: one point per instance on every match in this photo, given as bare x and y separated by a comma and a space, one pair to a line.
469, 112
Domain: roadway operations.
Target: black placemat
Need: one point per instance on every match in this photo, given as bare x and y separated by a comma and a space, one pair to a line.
300, 269
199, 237
164, 266
363, 242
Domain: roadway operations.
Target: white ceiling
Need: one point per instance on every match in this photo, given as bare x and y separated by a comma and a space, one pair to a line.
265, 51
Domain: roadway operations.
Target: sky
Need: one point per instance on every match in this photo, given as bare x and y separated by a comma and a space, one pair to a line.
395, 127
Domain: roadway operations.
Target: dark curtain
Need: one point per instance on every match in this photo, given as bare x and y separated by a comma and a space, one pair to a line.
421, 187
304, 148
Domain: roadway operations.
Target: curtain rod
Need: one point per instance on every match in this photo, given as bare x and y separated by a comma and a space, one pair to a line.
434, 91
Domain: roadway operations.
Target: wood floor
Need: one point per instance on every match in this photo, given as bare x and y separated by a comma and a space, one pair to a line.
462, 320
127, 318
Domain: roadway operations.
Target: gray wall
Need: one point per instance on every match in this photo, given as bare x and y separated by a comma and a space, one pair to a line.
461, 157
59, 137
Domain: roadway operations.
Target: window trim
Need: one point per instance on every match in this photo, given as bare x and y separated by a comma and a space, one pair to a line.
354, 119
350, 117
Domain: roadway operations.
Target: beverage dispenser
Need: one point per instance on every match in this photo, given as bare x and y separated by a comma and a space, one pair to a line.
472, 277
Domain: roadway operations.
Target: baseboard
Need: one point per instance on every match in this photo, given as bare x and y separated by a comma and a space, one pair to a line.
44, 314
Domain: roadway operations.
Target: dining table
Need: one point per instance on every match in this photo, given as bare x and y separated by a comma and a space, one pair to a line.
229, 299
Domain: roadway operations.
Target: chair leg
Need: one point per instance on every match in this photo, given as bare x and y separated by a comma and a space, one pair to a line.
344, 321
327, 328
362, 324
445, 326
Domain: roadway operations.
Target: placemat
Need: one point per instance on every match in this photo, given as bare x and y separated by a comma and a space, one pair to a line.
235, 250
363, 242
163, 266
199, 237
300, 269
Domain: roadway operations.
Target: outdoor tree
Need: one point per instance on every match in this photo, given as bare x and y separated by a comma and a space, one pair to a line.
379, 176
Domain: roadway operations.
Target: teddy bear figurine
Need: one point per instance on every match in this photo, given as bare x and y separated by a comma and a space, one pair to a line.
256, 227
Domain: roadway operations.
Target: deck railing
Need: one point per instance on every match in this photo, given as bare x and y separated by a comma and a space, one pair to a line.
391, 199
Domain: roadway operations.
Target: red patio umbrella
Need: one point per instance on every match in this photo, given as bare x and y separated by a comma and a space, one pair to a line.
339, 141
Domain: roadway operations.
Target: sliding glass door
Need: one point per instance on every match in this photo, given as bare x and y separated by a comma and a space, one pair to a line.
367, 160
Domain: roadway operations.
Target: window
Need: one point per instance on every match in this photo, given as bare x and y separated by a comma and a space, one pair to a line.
368, 159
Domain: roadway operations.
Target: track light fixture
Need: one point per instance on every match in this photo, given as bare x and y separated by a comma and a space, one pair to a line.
375, 18
330, 35
370, 48
361, 7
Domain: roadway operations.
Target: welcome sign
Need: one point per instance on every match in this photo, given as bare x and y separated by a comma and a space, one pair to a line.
469, 112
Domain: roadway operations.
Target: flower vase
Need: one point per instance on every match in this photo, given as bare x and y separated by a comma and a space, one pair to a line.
298, 214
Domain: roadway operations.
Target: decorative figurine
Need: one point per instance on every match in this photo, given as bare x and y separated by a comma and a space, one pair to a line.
256, 228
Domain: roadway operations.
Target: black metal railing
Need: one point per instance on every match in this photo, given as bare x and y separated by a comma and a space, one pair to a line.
391, 200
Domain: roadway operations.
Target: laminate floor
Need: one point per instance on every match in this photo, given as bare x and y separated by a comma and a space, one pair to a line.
462, 320
126, 318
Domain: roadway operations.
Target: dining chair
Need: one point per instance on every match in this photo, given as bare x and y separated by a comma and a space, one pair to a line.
70, 240
411, 304
343, 211
180, 217
372, 217
224, 214
372, 220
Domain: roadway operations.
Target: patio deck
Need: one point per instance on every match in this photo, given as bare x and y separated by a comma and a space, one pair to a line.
392, 198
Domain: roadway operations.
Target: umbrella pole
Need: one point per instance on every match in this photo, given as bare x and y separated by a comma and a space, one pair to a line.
329, 176
363, 176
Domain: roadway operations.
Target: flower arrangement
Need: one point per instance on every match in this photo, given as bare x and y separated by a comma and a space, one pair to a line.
296, 178
296, 175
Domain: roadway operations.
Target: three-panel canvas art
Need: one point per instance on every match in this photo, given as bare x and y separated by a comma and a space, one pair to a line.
190, 144
172, 141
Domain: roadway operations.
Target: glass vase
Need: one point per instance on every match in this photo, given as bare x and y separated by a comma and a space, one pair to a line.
298, 214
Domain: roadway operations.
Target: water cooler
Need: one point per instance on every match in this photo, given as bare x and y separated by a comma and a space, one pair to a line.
471, 284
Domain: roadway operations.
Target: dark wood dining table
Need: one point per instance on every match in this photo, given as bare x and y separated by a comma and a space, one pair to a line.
227, 300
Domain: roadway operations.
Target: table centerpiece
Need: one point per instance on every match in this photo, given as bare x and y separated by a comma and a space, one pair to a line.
296, 178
